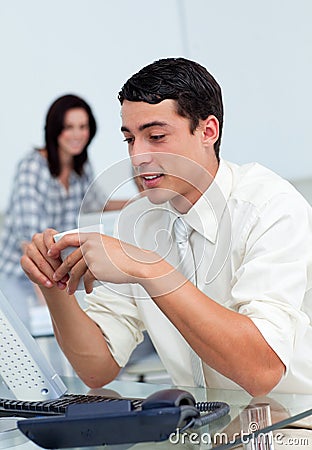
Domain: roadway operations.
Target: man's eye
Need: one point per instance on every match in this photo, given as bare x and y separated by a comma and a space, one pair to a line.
129, 140
157, 137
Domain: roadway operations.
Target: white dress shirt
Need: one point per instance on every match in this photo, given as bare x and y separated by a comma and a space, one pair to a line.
253, 250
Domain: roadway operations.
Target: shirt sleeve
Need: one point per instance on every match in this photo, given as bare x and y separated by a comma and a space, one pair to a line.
27, 206
270, 284
113, 308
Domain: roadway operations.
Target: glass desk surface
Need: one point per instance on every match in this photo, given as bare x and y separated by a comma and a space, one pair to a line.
286, 409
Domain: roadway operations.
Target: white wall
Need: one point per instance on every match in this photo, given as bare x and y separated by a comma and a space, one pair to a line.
260, 52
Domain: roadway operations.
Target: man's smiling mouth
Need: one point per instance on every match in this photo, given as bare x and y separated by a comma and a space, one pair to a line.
150, 180
152, 177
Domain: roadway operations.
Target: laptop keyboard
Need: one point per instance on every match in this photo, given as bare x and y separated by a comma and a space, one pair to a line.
59, 406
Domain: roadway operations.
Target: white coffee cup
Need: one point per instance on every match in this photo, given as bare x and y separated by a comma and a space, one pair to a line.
98, 228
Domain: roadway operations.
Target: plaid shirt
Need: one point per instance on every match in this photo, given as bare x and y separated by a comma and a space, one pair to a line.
39, 201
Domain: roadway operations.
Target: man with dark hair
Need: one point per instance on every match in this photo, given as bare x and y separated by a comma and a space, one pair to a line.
196, 92
213, 261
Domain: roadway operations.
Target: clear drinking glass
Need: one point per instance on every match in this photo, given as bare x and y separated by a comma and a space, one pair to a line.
253, 418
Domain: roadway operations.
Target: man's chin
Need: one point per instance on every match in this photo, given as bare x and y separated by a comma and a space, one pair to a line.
158, 196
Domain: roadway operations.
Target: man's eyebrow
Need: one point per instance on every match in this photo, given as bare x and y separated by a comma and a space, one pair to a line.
123, 129
155, 123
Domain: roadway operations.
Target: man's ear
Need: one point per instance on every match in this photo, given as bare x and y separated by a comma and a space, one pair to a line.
210, 130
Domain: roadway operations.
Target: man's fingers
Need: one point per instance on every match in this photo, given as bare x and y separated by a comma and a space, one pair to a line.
36, 251
40, 241
48, 241
38, 267
69, 262
76, 273
68, 240
88, 280
34, 273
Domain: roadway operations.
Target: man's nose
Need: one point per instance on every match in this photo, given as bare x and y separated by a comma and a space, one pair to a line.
140, 157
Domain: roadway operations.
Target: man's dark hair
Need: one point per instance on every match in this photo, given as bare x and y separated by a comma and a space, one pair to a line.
54, 126
197, 93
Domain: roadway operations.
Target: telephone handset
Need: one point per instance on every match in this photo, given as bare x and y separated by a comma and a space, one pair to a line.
161, 414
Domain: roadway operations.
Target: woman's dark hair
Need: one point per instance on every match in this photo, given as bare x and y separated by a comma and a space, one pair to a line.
197, 93
54, 126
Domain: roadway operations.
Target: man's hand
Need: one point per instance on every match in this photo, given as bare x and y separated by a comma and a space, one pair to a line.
80, 338
36, 263
99, 257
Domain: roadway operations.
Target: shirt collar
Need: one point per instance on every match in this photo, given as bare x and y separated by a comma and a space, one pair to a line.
206, 213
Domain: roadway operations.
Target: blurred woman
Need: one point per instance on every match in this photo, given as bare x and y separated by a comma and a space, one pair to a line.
48, 188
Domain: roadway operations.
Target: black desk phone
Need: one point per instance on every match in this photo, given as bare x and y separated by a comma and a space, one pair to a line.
93, 424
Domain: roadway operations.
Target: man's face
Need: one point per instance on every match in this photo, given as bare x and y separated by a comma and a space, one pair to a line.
171, 163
